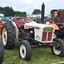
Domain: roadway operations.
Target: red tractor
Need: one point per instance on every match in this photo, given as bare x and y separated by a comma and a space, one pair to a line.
57, 20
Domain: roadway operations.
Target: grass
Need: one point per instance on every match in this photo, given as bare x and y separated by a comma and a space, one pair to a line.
39, 56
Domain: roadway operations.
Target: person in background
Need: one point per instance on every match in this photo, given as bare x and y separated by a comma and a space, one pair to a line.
10, 18
28, 19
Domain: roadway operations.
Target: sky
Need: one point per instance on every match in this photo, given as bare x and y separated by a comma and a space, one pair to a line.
30, 5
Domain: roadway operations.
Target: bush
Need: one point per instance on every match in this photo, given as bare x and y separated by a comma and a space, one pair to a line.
38, 20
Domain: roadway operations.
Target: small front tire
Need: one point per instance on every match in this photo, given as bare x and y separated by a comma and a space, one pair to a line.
25, 50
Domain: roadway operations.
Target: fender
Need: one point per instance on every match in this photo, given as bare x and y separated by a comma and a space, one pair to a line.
55, 26
16, 28
1, 25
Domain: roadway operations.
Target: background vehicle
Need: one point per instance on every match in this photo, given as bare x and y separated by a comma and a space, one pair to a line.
57, 20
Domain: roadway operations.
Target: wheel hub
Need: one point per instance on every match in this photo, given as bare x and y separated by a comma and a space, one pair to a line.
22, 51
57, 49
4, 37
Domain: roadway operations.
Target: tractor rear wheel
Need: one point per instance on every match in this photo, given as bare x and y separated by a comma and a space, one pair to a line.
1, 52
58, 48
8, 35
25, 50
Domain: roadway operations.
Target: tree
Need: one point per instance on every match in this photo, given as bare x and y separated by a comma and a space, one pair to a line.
8, 11
36, 11
24, 14
1, 10
21, 14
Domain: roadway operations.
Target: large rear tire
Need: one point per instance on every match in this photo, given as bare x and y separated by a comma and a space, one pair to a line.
58, 48
25, 50
8, 35
1, 52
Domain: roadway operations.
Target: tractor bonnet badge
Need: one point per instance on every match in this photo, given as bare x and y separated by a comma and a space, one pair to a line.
37, 37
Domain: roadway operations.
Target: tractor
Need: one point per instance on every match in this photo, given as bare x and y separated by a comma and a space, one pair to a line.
31, 34
57, 20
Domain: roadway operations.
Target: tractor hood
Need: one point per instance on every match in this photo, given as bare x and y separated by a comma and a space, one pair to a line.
33, 24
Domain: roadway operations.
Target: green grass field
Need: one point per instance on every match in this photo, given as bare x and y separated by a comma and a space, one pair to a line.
39, 56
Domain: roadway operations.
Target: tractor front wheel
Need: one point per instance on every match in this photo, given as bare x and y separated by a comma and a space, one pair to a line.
58, 48
25, 50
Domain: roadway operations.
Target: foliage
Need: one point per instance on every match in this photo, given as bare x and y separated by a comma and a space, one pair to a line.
21, 14
8, 11
38, 20
36, 11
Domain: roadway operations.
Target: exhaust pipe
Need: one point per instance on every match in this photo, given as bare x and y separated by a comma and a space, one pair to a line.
42, 12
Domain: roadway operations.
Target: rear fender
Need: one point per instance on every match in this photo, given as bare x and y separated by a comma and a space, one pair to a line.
1, 25
16, 29
55, 26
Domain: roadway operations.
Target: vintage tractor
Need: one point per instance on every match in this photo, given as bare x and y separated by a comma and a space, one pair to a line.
57, 20
30, 34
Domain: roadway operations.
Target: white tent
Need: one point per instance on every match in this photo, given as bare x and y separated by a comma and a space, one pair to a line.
1, 15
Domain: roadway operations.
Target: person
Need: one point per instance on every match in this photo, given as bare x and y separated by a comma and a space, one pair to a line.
28, 19
15, 18
10, 18
57, 20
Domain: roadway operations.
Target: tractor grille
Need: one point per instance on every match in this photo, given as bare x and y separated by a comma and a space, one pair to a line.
44, 36
47, 34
